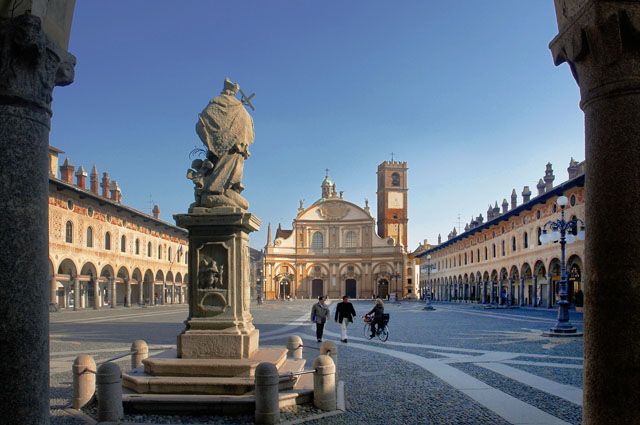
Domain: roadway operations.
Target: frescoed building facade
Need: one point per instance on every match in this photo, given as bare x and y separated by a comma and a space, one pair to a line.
104, 253
502, 260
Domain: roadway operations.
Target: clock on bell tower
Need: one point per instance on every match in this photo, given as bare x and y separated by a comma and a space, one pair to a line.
392, 201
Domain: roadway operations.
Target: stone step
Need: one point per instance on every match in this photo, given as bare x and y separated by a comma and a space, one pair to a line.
301, 393
144, 383
168, 364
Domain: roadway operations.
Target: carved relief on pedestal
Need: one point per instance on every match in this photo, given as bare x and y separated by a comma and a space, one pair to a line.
213, 280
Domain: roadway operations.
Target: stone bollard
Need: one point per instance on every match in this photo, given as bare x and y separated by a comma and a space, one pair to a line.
294, 347
324, 383
267, 399
109, 380
140, 352
331, 348
84, 381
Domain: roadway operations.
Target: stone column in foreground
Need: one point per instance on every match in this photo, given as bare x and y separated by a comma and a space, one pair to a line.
31, 64
219, 323
600, 40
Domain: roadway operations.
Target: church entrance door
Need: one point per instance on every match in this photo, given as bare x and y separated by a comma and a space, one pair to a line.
383, 288
316, 288
350, 288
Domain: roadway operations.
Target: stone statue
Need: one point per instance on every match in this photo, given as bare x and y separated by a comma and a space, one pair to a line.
226, 129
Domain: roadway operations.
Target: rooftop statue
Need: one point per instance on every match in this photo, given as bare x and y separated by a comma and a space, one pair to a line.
226, 129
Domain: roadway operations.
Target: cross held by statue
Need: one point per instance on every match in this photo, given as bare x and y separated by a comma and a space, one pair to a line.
247, 100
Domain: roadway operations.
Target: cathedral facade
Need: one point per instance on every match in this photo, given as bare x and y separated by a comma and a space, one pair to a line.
333, 248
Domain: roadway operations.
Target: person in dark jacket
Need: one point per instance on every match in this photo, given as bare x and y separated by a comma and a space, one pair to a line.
344, 314
378, 311
319, 314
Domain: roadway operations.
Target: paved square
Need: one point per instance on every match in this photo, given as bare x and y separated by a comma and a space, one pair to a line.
459, 364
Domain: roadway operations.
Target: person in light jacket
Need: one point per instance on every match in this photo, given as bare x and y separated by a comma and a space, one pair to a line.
319, 314
344, 314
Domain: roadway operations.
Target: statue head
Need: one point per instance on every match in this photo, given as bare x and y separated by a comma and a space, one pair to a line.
230, 88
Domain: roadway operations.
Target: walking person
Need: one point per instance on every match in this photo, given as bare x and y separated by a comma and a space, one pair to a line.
378, 312
319, 314
344, 314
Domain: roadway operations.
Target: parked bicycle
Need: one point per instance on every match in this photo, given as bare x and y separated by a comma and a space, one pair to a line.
381, 332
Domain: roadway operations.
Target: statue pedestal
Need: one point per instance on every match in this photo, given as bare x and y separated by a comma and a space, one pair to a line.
219, 323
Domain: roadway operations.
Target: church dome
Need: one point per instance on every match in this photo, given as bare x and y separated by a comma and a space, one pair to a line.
326, 182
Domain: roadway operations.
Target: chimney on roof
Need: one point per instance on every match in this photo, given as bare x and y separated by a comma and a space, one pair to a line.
514, 199
549, 177
105, 185
94, 180
439, 239
116, 193
53, 160
540, 187
66, 171
489, 213
505, 206
81, 177
156, 212
526, 194
573, 169
496, 210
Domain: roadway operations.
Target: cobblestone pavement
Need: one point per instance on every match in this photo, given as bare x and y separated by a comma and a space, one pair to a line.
459, 364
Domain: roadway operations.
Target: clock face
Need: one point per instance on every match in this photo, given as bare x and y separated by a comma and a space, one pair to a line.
394, 200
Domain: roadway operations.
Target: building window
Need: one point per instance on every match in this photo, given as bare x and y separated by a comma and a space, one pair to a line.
539, 234
513, 244
526, 240
573, 200
503, 247
465, 258
350, 240
316, 240
137, 246
159, 252
513, 225
538, 214
503, 230
486, 256
123, 244
186, 257
169, 254
494, 250
107, 241
395, 179
524, 220
68, 234
555, 208
70, 205
149, 249
89, 237
90, 212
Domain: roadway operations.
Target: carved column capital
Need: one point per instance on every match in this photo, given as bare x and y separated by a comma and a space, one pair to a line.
31, 65
600, 41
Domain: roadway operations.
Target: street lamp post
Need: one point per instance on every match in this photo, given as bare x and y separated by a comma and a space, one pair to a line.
428, 305
396, 276
558, 232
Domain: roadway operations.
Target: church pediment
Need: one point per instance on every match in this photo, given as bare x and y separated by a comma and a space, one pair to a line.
333, 210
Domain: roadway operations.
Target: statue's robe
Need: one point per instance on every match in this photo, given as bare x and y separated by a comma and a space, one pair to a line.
226, 129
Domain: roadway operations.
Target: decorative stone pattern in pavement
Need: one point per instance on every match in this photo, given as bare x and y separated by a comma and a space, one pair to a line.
571, 377
543, 401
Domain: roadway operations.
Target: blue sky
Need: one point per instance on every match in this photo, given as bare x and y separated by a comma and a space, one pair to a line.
466, 92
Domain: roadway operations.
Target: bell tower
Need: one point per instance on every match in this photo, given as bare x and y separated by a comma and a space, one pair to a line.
392, 200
